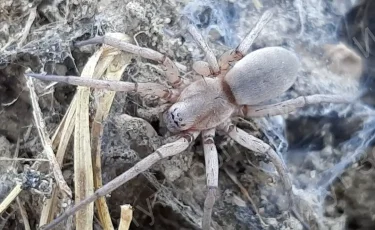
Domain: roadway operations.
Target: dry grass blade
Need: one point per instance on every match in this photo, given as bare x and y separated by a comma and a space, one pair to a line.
48, 207
10, 198
83, 172
46, 141
115, 66
126, 217
60, 141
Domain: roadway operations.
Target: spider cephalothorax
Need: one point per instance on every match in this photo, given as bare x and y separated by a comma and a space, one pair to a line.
206, 105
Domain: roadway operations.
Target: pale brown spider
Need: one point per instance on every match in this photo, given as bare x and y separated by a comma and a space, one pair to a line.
204, 105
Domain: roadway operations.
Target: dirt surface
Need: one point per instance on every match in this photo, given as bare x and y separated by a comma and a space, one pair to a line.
328, 148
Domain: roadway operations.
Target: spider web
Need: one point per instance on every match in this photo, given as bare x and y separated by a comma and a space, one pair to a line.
312, 24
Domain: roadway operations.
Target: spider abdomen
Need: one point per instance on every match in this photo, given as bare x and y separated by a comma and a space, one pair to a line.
262, 75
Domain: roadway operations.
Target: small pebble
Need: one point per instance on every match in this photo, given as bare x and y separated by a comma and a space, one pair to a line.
313, 174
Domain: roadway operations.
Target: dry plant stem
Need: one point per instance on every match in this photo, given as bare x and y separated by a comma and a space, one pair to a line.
60, 142
233, 177
28, 25
15, 155
83, 171
23, 214
257, 145
211, 58
170, 68
212, 175
21, 159
114, 70
57, 136
102, 66
292, 105
164, 151
234, 55
112, 85
46, 141
126, 217
10, 198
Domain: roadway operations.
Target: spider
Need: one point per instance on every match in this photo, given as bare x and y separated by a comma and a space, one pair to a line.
207, 105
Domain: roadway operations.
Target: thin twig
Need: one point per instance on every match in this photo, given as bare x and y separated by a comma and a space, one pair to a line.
28, 25
244, 192
23, 212
46, 141
21, 159
15, 155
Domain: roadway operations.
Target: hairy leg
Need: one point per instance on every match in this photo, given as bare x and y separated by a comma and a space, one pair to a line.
235, 55
164, 151
292, 105
170, 68
211, 58
141, 88
257, 145
212, 175
203, 68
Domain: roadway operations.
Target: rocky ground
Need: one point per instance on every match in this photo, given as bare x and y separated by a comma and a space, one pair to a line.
328, 148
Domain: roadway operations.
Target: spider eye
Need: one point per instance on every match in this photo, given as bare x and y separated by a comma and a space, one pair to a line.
174, 116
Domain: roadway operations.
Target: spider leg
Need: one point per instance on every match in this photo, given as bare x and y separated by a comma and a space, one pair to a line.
212, 175
257, 145
170, 68
211, 58
203, 68
164, 151
141, 88
292, 105
237, 54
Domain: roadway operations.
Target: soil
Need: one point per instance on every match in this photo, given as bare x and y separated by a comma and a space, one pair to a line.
328, 148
